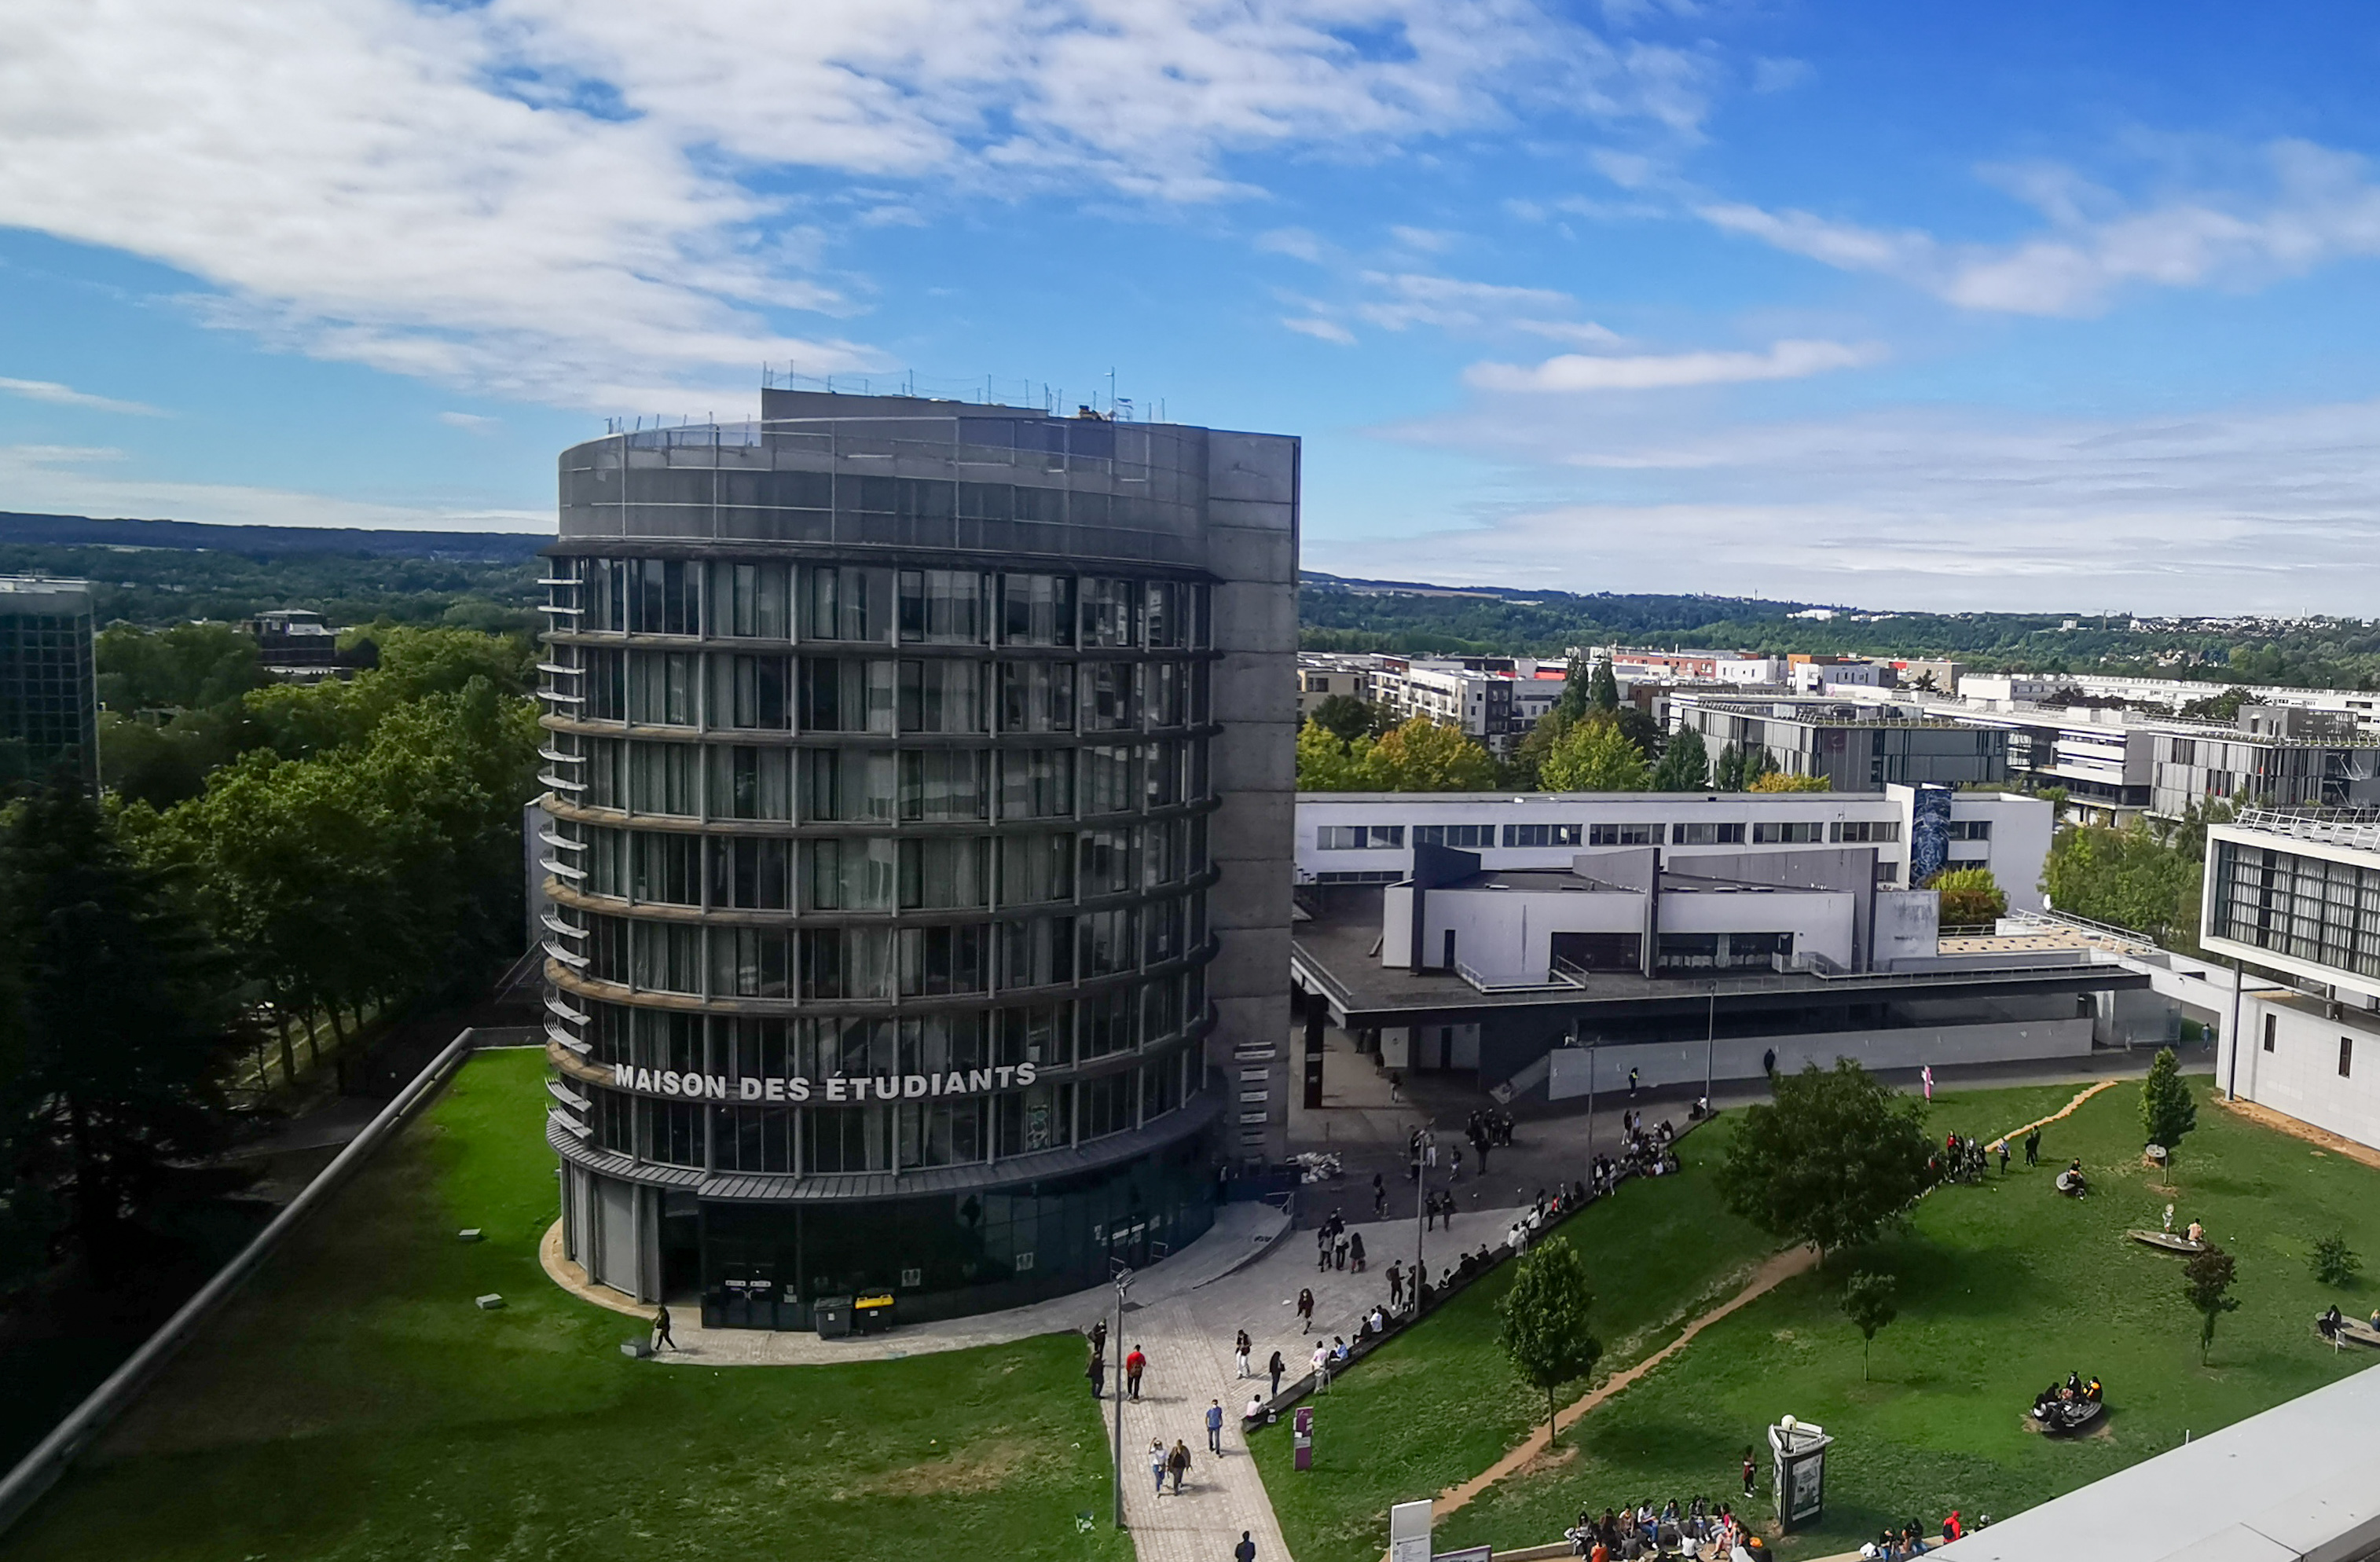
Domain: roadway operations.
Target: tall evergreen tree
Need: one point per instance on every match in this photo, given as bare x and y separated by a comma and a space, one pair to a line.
1603, 694
126, 1021
1685, 764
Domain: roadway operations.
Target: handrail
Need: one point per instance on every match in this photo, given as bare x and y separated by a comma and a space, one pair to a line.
40, 1469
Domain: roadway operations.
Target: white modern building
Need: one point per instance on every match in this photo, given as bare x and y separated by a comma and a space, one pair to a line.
1494, 699
2298, 895
1369, 838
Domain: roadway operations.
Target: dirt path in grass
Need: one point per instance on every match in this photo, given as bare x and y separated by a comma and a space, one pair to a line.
1783, 1267
2264, 1117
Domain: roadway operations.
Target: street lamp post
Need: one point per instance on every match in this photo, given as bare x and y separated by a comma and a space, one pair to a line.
1123, 1284
1424, 1138
1710, 1041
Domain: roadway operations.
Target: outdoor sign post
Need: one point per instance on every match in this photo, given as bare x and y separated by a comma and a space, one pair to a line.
1409, 1531
1800, 1447
1301, 1425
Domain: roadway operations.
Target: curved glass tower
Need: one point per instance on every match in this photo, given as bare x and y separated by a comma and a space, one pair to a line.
901, 756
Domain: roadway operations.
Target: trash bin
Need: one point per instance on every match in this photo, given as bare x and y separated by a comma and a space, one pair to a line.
832, 1317
872, 1314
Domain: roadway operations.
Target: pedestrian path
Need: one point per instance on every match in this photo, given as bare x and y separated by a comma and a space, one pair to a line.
1241, 1233
1188, 1341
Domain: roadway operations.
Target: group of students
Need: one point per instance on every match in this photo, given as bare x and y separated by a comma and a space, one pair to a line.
1894, 1545
1696, 1530
1335, 1247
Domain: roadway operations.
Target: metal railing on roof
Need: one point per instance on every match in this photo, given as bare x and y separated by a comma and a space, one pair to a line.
2357, 828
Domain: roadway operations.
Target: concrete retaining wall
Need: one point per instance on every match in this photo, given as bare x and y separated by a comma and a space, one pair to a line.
1739, 1058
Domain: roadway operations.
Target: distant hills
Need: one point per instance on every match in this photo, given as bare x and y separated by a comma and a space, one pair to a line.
270, 543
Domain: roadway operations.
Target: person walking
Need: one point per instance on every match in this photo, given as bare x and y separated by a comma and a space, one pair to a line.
1178, 1462
1215, 1429
1396, 1286
1246, 1550
1274, 1368
1133, 1365
1304, 1311
1355, 1251
1339, 1253
2004, 1152
1322, 1246
1098, 1373
1453, 1163
1632, 1085
1157, 1462
1769, 1063
1321, 1365
2033, 1148
1751, 1473
1379, 1198
661, 1329
1239, 1348
1926, 1074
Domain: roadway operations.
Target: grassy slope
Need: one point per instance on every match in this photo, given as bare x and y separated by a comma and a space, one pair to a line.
1442, 1404
2002, 1288
353, 1403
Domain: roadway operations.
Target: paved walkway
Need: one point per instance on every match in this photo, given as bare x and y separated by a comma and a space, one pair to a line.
1189, 1342
1242, 1233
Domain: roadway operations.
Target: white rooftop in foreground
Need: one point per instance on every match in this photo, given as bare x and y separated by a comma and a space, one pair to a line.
2299, 1484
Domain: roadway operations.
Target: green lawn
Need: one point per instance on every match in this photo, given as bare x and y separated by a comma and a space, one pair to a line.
2002, 1288
1441, 1404
353, 1403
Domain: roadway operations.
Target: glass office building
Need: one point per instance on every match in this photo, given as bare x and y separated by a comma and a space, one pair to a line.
901, 757
49, 691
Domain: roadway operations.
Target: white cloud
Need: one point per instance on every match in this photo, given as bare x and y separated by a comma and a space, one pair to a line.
2318, 206
562, 202
2227, 510
90, 481
470, 422
66, 396
1410, 298
1323, 330
1296, 243
1578, 332
1430, 241
1580, 371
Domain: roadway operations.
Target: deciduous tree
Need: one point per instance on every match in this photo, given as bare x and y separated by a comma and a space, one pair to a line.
1868, 1303
1831, 1161
2206, 1281
123, 1019
1546, 1331
1970, 896
1421, 756
1594, 756
1778, 780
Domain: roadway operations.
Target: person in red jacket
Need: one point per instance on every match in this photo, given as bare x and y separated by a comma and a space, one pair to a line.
1951, 1528
1133, 1365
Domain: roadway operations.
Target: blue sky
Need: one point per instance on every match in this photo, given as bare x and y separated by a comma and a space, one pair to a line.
2025, 305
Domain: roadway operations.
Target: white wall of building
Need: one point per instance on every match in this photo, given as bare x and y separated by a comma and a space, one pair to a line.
2019, 844
2299, 1074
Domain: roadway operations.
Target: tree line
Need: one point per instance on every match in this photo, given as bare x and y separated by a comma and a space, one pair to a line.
358, 856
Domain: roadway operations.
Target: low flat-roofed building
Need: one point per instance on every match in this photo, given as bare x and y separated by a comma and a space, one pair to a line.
1561, 942
1368, 838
